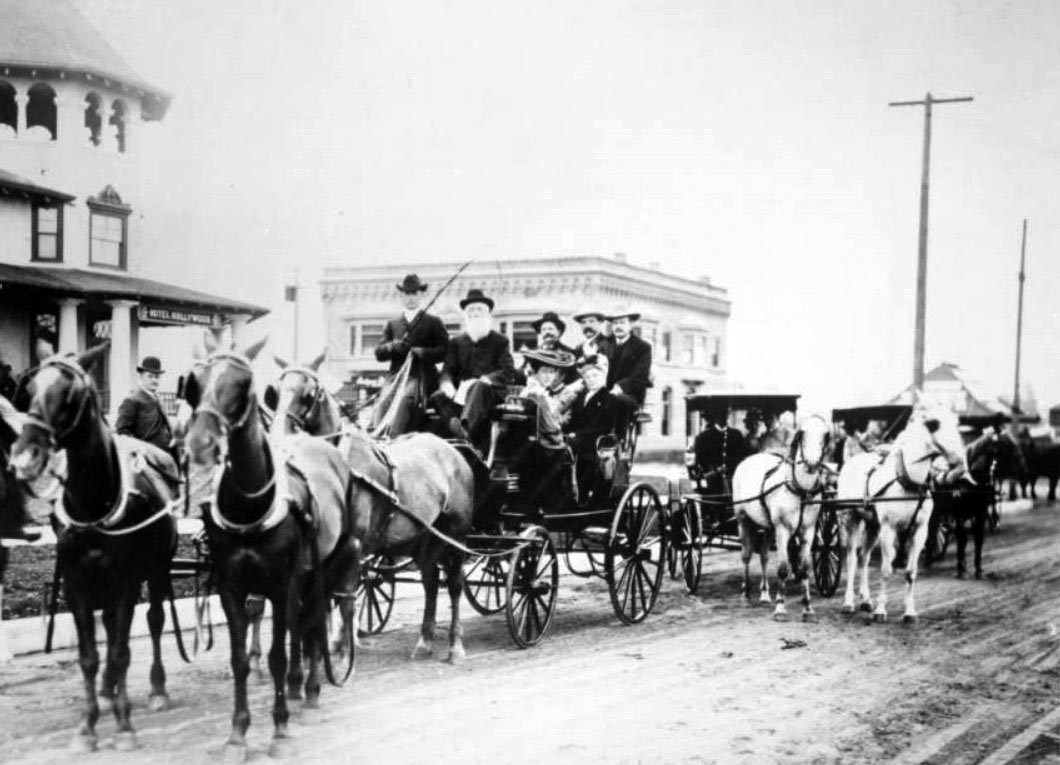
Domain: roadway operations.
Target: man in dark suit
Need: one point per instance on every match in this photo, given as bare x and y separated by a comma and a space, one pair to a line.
140, 414
630, 372
593, 324
423, 336
592, 415
550, 329
718, 450
477, 371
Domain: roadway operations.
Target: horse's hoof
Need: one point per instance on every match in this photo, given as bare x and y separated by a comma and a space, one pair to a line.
865, 607
83, 744
282, 748
764, 598
234, 753
910, 619
960, 575
809, 616
978, 574
848, 608
422, 651
159, 702
879, 618
780, 616
294, 693
311, 702
125, 741
456, 654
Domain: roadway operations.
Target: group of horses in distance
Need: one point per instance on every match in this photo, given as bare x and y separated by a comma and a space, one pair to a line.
298, 504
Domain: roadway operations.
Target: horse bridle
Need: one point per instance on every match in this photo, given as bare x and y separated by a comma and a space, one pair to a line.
35, 418
315, 396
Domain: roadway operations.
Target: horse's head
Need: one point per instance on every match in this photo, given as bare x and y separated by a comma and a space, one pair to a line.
932, 433
809, 446
299, 398
59, 400
220, 392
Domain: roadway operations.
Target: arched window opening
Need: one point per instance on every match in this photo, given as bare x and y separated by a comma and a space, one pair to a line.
8, 110
93, 118
117, 119
667, 411
41, 118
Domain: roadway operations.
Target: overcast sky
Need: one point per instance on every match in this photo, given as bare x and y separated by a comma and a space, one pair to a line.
750, 141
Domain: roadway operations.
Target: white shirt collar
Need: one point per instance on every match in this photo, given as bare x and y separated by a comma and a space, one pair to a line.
410, 315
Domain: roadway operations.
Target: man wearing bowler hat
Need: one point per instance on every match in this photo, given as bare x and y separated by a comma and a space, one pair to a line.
550, 329
421, 335
629, 376
477, 370
140, 414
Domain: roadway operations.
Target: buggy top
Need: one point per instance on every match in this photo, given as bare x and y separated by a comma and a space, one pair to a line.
721, 403
896, 416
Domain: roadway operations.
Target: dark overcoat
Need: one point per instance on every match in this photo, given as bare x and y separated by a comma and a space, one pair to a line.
429, 334
141, 416
491, 356
630, 368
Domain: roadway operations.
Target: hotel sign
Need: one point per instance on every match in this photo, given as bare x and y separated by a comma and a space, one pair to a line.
168, 315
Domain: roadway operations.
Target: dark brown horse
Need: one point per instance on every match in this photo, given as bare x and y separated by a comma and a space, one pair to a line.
278, 526
430, 480
967, 499
115, 530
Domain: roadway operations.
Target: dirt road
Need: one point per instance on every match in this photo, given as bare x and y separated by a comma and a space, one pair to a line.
703, 680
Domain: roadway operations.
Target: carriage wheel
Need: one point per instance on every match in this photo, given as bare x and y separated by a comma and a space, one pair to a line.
636, 553
827, 553
486, 583
533, 580
376, 594
687, 544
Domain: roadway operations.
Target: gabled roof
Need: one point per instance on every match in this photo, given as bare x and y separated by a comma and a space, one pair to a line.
76, 282
16, 185
53, 36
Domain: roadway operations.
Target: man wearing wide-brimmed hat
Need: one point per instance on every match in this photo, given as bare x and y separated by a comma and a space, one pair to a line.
594, 330
477, 370
140, 414
423, 337
630, 373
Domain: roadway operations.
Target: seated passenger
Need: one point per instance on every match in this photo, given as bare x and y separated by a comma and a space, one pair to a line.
594, 330
546, 464
594, 413
629, 374
753, 427
718, 450
478, 368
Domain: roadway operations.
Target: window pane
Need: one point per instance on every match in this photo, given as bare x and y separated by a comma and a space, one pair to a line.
523, 334
47, 220
453, 328
371, 334
106, 244
46, 247
353, 339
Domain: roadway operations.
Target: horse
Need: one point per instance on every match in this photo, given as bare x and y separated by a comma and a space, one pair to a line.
775, 487
306, 405
893, 490
278, 525
1043, 461
12, 504
115, 528
968, 496
427, 481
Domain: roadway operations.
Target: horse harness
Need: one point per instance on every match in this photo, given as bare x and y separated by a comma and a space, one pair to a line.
902, 478
791, 484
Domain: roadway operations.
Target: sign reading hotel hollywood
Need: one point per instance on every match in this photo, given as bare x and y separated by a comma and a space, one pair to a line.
167, 315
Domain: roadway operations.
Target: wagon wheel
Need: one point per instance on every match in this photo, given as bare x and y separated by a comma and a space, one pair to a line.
486, 583
636, 553
827, 553
533, 580
687, 544
376, 594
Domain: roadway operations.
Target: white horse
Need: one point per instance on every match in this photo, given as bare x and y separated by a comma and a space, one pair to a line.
900, 478
769, 491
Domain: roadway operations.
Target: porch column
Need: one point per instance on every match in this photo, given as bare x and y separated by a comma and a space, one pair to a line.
21, 102
68, 325
121, 361
239, 329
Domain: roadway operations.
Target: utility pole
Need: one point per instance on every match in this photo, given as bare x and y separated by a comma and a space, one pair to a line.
290, 294
1019, 324
921, 269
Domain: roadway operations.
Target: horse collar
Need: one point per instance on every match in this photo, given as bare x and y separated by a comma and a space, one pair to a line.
278, 509
117, 510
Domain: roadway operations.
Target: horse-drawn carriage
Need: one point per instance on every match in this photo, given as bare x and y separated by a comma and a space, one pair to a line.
704, 517
529, 513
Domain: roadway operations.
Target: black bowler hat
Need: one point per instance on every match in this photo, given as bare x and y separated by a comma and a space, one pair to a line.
412, 283
475, 296
150, 364
550, 317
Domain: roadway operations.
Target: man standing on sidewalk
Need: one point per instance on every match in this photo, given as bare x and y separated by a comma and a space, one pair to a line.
140, 414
